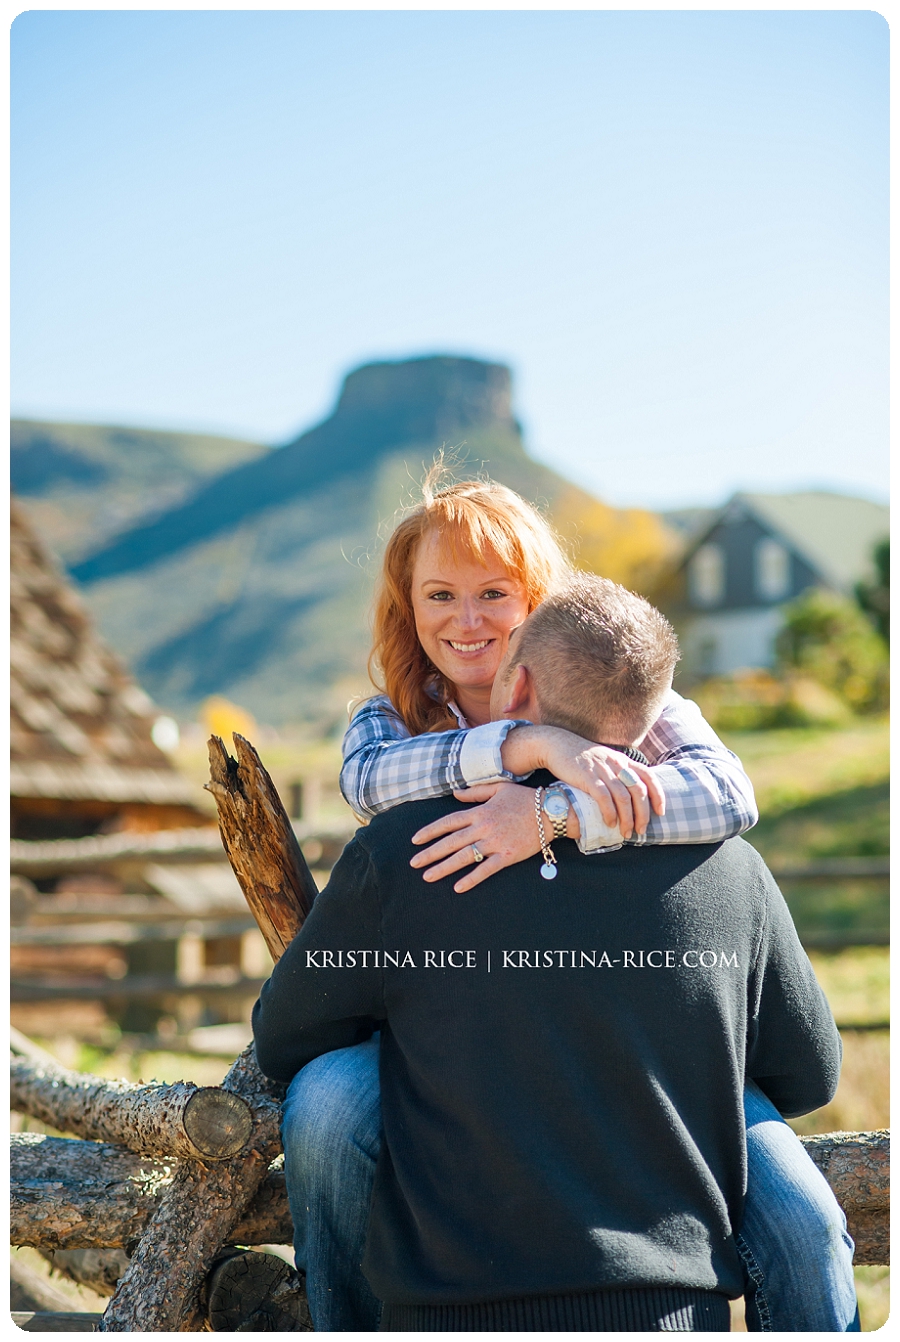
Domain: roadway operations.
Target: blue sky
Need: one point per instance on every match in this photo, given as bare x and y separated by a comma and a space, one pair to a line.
672, 225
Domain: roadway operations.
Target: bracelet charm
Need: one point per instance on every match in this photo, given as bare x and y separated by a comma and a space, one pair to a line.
549, 868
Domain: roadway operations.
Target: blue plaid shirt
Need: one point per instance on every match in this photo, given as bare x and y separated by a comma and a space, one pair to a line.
708, 795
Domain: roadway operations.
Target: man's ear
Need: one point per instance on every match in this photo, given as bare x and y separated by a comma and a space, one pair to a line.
518, 694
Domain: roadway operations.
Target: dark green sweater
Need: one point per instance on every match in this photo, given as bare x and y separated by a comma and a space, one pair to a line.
562, 1063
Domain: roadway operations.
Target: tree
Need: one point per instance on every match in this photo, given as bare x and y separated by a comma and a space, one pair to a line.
827, 636
629, 545
875, 597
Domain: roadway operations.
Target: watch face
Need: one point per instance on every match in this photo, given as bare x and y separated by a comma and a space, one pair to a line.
556, 806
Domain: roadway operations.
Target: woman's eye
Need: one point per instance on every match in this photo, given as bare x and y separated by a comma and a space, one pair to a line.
493, 595
441, 596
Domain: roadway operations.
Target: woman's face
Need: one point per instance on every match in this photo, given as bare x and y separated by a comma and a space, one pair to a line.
465, 611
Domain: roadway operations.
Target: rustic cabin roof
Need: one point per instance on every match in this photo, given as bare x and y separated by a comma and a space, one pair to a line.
80, 725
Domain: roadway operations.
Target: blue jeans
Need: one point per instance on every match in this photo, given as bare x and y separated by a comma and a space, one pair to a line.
793, 1241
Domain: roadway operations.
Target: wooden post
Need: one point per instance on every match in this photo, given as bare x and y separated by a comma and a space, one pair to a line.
204, 1203
260, 842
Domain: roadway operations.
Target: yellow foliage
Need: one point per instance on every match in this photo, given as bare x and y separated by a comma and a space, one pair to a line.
221, 717
629, 545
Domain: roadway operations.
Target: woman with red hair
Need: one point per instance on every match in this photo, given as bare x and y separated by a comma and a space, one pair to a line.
461, 571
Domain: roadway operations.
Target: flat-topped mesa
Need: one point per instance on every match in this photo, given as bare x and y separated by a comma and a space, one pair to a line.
382, 408
425, 396
180, 1119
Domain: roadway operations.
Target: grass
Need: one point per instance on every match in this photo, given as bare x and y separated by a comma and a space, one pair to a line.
856, 982
793, 766
822, 793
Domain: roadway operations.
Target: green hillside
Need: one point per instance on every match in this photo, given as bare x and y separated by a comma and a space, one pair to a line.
84, 483
256, 582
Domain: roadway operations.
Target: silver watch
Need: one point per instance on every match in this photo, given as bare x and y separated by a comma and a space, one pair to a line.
556, 809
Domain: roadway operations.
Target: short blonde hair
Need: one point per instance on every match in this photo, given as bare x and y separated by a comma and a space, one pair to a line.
601, 659
473, 517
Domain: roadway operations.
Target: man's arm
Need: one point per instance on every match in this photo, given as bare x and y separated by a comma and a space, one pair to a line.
324, 992
793, 1045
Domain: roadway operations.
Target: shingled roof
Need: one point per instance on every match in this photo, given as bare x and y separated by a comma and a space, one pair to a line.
80, 725
835, 532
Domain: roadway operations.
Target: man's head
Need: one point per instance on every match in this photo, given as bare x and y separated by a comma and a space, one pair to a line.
593, 658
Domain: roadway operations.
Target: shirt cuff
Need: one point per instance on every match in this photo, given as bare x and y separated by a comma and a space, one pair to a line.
596, 836
480, 760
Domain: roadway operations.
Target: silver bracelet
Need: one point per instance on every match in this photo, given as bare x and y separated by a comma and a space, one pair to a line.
549, 869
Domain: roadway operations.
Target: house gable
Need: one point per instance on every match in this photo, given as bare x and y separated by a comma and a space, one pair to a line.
756, 565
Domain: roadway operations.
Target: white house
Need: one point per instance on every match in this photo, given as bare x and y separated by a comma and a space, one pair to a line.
759, 552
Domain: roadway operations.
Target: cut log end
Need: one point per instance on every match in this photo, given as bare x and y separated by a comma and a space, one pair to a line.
218, 1122
256, 1292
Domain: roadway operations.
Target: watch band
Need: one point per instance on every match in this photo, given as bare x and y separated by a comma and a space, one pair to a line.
559, 822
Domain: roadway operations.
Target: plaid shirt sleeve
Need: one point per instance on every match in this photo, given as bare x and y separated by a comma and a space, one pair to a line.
708, 795
384, 764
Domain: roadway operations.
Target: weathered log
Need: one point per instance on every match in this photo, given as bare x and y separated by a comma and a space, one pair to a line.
260, 842
68, 1194
200, 1210
195, 1217
92, 1195
857, 1166
60, 1188
169, 1120
100, 1269
58, 1321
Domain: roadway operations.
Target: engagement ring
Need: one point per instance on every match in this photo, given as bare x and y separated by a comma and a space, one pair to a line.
479, 857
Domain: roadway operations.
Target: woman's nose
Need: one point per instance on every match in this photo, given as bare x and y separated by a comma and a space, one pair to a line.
468, 614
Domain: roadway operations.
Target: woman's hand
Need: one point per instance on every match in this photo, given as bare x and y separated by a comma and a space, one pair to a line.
503, 827
596, 769
592, 768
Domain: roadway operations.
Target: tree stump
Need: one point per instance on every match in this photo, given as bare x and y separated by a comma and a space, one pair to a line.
204, 1203
255, 1293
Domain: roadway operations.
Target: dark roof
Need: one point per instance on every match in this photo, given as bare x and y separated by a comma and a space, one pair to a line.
79, 724
835, 533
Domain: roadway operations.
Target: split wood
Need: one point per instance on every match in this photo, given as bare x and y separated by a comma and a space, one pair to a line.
205, 1202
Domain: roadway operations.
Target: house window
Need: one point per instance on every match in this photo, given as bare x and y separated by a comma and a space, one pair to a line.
773, 570
706, 576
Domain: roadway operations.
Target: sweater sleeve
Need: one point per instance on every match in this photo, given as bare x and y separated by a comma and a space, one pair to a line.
793, 1045
326, 990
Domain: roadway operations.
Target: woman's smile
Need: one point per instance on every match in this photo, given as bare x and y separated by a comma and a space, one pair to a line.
465, 610
470, 647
